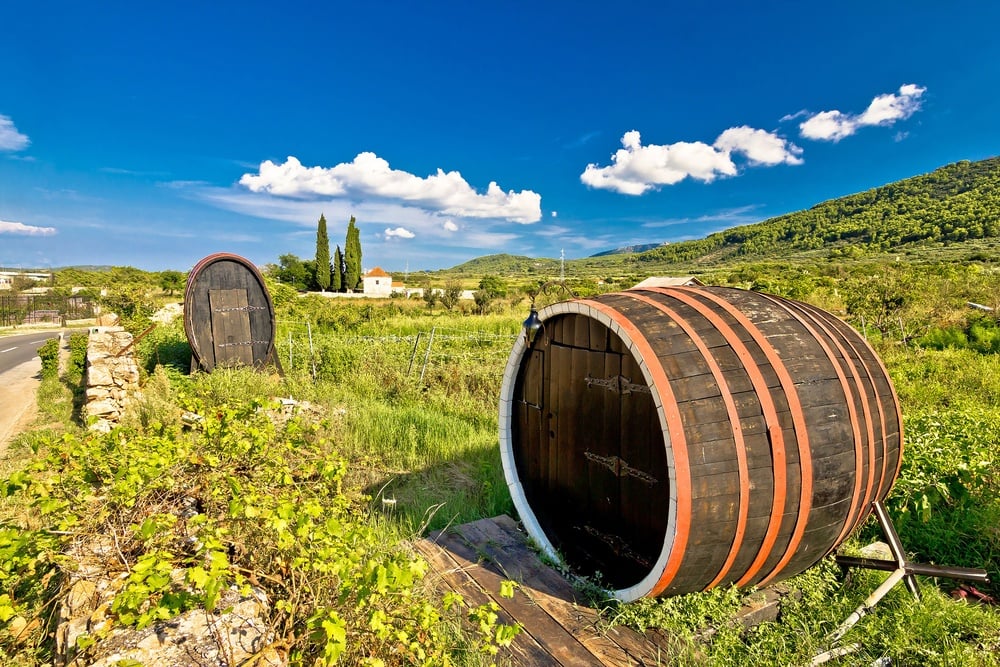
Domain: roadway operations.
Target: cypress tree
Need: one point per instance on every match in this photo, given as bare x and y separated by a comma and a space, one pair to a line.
352, 257
322, 255
337, 271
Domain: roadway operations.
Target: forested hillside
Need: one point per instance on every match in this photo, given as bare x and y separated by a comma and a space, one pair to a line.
955, 203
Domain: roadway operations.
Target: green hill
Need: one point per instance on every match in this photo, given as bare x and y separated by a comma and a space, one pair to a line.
956, 206
955, 203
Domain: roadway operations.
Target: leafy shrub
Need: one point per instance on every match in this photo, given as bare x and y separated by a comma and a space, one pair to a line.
273, 509
940, 339
77, 355
49, 354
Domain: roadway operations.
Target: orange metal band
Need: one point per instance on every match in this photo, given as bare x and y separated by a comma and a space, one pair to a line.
856, 505
798, 421
776, 437
734, 421
678, 443
872, 491
887, 483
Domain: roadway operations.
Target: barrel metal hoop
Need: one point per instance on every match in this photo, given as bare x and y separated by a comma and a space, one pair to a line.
691, 297
737, 430
670, 420
858, 346
857, 507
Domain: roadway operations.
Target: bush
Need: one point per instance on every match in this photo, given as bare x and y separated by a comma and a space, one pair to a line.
77, 355
49, 354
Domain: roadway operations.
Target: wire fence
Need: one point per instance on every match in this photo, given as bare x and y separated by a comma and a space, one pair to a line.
25, 309
303, 346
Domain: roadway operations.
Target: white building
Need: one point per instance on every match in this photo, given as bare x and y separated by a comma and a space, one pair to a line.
7, 277
377, 283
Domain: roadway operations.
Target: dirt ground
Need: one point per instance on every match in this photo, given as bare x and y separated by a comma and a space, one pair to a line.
18, 389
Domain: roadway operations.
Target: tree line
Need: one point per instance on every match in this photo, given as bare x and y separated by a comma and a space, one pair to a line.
340, 272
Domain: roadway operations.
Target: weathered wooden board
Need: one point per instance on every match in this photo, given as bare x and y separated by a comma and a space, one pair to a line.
559, 629
228, 314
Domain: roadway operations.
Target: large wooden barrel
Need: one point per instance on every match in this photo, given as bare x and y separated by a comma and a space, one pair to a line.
228, 314
669, 440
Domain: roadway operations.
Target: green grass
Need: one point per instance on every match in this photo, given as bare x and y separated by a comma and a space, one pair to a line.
419, 446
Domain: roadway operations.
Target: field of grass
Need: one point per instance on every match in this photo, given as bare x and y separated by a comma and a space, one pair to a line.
396, 435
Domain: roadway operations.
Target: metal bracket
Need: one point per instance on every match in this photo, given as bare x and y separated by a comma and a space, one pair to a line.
232, 309
619, 546
618, 384
244, 342
901, 569
620, 467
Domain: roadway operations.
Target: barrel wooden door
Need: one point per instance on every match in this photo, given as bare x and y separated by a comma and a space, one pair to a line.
228, 314
231, 339
589, 455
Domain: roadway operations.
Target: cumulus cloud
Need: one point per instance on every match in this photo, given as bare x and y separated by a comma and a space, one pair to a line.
370, 177
636, 169
399, 232
884, 110
22, 229
450, 226
10, 138
759, 147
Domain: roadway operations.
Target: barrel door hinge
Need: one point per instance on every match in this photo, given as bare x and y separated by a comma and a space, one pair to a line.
620, 467
620, 547
618, 384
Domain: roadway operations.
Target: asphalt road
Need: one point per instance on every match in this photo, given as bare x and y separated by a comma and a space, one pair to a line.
16, 350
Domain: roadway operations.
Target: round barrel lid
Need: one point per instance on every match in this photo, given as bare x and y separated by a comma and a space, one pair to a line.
228, 313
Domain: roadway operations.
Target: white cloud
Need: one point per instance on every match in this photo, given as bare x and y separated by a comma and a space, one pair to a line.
399, 232
758, 146
22, 229
369, 176
636, 169
723, 219
10, 138
438, 235
555, 214
884, 110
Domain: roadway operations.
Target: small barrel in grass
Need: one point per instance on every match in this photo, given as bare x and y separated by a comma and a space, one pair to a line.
228, 314
670, 440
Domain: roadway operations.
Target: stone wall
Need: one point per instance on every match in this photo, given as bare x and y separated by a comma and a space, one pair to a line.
111, 377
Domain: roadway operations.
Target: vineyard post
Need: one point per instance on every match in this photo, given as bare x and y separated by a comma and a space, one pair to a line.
312, 354
413, 354
430, 341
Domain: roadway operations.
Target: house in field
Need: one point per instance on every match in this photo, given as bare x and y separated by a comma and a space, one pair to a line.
377, 283
670, 281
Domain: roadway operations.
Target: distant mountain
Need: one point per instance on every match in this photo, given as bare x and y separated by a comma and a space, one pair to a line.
629, 249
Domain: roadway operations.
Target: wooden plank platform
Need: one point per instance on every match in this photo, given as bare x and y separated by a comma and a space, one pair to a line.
474, 558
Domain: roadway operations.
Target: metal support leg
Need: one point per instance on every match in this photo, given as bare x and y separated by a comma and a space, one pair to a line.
901, 569
896, 547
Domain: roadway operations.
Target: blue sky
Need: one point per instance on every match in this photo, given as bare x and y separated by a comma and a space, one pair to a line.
153, 134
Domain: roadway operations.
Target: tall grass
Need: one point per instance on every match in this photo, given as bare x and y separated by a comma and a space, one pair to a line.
420, 441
